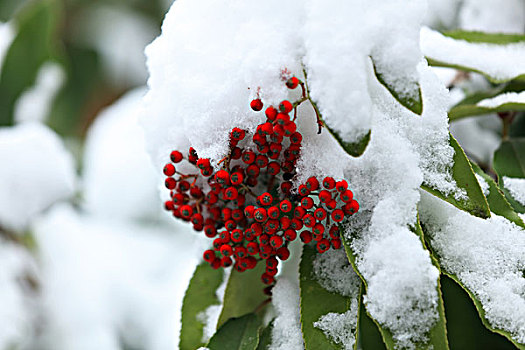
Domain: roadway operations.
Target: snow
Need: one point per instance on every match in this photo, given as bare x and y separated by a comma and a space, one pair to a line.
210, 316
509, 97
500, 62
333, 271
37, 171
516, 187
485, 188
104, 282
487, 257
493, 16
17, 314
341, 328
286, 331
119, 180
34, 105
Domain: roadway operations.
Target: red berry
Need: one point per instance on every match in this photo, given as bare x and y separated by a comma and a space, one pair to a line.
237, 134
216, 263
248, 157
341, 186
276, 242
240, 252
292, 83
303, 190
231, 193
226, 261
274, 168
186, 211
272, 263
267, 279
306, 237
318, 229
209, 255
168, 205
253, 171
334, 231
338, 215
290, 235
285, 222
296, 138
260, 215
271, 113
252, 248
309, 220
307, 202
210, 231
273, 212
222, 177
325, 196
320, 214
331, 204
237, 214
336, 243
281, 120
299, 212
237, 235
226, 250
312, 183
236, 178
285, 106
176, 156
328, 182
170, 183
347, 196
256, 104
261, 161
249, 211
296, 224
283, 253
203, 163
169, 169
265, 199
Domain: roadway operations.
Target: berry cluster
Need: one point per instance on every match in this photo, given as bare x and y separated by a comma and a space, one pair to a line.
248, 205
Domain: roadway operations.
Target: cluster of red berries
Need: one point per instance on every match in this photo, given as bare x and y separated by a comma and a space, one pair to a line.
248, 206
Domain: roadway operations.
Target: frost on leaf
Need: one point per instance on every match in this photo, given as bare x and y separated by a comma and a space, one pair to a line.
341, 328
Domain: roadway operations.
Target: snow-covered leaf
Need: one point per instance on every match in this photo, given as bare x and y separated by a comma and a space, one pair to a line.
355, 149
499, 57
31, 47
368, 336
316, 301
462, 172
244, 293
411, 98
506, 102
496, 198
199, 296
237, 334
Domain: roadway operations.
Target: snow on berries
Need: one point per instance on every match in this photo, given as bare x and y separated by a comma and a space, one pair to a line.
245, 202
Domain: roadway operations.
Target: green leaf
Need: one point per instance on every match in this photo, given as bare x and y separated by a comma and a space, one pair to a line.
240, 333
316, 301
463, 111
483, 37
369, 336
465, 329
199, 296
244, 293
476, 203
411, 100
509, 158
265, 338
497, 202
33, 45
355, 149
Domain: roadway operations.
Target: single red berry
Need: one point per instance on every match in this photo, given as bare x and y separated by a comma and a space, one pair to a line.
248, 211
248, 157
216, 263
178, 198
267, 279
169, 169
197, 219
226, 214
276, 242
354, 207
265, 251
334, 231
271, 272
168, 205
336, 243
237, 214
261, 161
256, 228
249, 235
341, 186
274, 168
312, 183
252, 180
226, 250
260, 215
338, 215
318, 229
203, 163
296, 138
285, 222
264, 239
230, 225
222, 177
271, 113
323, 245
299, 212
184, 186
306, 237
296, 224
347, 196
209, 255
307, 202
256, 104
266, 129
237, 134
272, 262
289, 128
328, 182
286, 187
273, 212
240, 252
309, 220
252, 248
170, 183
285, 106
265, 199
281, 120
283, 253
192, 155
176, 156
186, 211
331, 204
237, 235
231, 193
210, 231
236, 178
292, 83
290, 235
253, 171
226, 261
224, 236
325, 196
303, 190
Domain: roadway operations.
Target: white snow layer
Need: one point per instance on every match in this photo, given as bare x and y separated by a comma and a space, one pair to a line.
105, 282
35, 103
509, 97
487, 257
17, 311
210, 62
119, 179
516, 187
341, 328
501, 62
286, 331
37, 171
